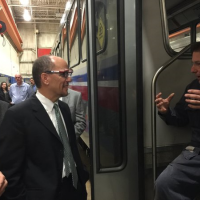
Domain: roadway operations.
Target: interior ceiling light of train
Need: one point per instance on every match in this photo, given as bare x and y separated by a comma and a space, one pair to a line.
40, 11
180, 13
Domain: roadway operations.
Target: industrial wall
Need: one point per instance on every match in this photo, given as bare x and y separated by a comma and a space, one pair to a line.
9, 60
34, 36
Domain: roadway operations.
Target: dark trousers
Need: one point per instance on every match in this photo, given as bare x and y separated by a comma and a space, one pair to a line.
68, 192
181, 179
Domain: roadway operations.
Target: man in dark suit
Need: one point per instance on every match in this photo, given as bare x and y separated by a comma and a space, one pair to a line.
32, 148
3, 108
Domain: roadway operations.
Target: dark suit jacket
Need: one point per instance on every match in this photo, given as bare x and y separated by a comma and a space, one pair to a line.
5, 97
31, 153
3, 108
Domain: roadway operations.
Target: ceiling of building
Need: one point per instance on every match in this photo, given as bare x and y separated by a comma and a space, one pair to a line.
42, 11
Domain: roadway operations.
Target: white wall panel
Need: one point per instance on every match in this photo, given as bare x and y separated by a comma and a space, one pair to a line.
31, 41
9, 64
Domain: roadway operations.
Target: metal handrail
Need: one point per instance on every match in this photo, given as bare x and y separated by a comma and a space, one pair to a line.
153, 111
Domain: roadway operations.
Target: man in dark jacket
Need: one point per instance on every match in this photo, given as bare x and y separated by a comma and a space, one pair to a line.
181, 178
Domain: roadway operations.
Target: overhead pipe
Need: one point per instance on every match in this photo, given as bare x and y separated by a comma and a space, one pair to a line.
31, 6
51, 19
11, 27
36, 23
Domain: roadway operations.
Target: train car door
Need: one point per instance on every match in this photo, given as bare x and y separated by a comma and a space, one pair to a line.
115, 99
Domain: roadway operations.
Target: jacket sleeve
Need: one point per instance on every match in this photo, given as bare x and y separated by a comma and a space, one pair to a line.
12, 153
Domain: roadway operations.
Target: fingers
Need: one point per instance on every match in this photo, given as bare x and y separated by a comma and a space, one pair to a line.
193, 99
158, 95
193, 91
3, 183
193, 94
194, 106
169, 98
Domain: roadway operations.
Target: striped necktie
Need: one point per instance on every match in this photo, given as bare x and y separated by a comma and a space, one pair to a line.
68, 157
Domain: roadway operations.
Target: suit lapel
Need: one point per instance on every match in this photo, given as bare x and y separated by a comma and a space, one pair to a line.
41, 114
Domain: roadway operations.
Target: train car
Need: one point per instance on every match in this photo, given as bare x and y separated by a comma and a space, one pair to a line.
122, 54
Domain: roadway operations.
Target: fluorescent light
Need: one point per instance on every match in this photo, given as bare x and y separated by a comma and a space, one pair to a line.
24, 2
63, 19
68, 6
27, 16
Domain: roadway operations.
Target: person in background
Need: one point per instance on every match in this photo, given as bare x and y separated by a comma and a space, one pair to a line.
34, 88
181, 178
74, 101
4, 93
20, 91
3, 183
9, 84
38, 151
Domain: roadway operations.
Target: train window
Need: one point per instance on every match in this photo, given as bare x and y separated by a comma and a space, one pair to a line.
198, 32
108, 86
64, 43
83, 29
101, 26
179, 22
73, 36
180, 39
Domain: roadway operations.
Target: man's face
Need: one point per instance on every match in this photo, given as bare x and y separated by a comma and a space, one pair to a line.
18, 79
58, 84
32, 81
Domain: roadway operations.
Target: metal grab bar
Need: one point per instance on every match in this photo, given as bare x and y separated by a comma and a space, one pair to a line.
153, 108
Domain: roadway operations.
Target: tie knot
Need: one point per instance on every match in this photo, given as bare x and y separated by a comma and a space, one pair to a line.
55, 106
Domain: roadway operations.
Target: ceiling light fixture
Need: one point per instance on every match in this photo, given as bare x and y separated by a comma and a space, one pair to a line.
63, 19
68, 6
27, 16
24, 2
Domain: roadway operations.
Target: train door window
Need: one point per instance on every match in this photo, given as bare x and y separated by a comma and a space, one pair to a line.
101, 26
179, 18
64, 43
108, 86
73, 35
83, 29
198, 32
179, 39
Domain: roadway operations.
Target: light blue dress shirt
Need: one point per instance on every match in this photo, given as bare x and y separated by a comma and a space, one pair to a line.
19, 93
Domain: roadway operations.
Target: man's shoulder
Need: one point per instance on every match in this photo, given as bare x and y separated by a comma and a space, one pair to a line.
74, 92
13, 85
194, 84
27, 104
25, 84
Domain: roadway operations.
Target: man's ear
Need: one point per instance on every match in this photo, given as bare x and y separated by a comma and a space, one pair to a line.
45, 79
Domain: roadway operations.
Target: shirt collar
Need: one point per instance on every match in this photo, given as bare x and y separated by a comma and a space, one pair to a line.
48, 104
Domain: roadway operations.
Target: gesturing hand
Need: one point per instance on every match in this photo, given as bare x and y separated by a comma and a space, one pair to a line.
193, 99
3, 183
163, 104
